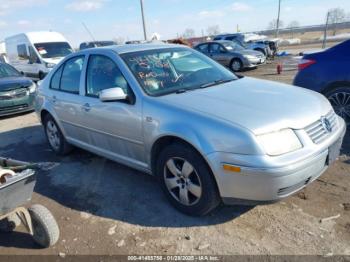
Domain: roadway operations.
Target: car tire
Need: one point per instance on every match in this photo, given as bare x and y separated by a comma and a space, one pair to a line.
55, 137
41, 76
187, 180
45, 229
236, 65
339, 97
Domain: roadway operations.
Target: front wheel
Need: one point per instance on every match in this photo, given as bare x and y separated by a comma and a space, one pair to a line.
236, 65
187, 180
339, 98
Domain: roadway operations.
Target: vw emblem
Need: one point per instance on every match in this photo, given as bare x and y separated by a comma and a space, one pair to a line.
326, 124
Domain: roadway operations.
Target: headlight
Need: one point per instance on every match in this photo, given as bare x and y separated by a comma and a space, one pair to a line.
50, 65
280, 142
250, 57
32, 88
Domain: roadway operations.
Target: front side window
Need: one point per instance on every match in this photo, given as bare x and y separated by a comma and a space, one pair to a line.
70, 79
216, 48
53, 50
203, 48
22, 52
103, 73
170, 70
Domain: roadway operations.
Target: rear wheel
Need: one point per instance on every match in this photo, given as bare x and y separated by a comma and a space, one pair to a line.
339, 97
187, 180
55, 137
236, 65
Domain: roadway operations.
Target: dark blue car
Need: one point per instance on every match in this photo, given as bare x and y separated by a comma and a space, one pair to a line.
328, 72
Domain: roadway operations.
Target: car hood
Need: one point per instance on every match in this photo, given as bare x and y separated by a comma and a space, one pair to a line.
258, 105
11, 83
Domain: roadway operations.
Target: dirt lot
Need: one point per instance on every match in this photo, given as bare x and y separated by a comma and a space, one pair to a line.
106, 208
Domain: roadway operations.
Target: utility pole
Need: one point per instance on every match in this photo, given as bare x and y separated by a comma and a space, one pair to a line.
143, 21
278, 18
325, 32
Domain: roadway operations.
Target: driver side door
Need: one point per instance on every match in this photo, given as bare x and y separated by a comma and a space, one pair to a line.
219, 54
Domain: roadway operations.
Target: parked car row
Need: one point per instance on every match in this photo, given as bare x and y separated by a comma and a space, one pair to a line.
231, 54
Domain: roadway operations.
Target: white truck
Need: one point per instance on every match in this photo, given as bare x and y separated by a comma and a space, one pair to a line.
34, 54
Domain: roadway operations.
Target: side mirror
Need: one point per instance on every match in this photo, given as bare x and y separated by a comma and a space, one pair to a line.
112, 94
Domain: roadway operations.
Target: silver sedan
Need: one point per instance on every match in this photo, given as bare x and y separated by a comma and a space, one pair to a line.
207, 135
231, 54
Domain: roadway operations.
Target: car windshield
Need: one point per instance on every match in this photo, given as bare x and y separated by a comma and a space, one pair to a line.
53, 50
233, 46
8, 71
170, 70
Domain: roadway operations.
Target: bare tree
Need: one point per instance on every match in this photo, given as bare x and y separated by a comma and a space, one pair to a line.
273, 24
188, 33
336, 15
213, 30
292, 26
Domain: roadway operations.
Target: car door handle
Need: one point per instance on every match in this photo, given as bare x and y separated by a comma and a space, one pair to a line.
54, 99
86, 107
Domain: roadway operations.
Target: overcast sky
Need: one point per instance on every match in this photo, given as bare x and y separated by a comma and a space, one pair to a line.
108, 19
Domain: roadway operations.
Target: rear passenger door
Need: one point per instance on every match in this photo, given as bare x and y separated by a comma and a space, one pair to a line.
65, 98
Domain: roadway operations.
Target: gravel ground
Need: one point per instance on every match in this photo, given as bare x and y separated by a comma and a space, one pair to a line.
104, 208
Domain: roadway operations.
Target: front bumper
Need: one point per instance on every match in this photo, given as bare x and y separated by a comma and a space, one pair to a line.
17, 105
263, 184
249, 63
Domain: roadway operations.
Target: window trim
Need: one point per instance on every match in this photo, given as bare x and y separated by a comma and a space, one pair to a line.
130, 100
63, 65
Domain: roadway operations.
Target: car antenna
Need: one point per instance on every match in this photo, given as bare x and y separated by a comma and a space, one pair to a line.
87, 29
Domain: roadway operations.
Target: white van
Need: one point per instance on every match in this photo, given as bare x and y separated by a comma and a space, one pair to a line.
3, 57
34, 54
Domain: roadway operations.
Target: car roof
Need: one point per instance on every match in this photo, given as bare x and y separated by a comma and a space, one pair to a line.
123, 49
216, 41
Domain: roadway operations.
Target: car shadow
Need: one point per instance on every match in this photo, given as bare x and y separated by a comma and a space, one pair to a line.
89, 183
18, 240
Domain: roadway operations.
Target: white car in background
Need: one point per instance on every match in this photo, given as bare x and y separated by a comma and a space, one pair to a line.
34, 54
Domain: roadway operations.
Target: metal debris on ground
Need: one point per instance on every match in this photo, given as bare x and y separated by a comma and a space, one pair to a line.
329, 218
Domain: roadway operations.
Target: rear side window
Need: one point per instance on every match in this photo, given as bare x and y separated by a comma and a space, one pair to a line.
70, 79
56, 78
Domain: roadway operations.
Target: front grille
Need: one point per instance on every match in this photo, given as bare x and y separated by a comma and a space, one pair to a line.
291, 189
13, 108
18, 93
317, 131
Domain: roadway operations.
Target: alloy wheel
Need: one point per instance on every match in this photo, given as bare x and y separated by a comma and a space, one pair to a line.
236, 65
341, 104
53, 135
182, 181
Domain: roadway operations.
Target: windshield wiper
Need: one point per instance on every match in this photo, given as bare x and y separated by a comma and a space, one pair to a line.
216, 82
